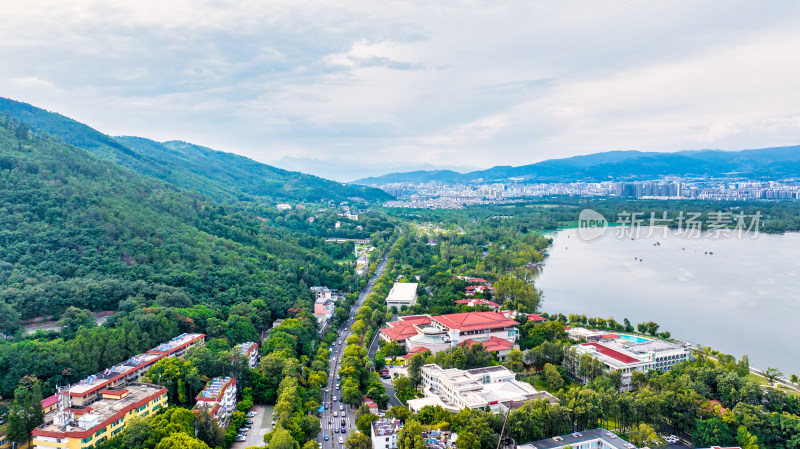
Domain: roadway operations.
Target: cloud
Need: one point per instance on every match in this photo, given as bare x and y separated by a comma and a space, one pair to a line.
457, 81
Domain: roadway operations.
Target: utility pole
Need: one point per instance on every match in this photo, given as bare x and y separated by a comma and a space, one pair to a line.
500, 440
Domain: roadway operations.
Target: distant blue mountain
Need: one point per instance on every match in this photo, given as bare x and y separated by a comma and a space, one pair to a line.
781, 162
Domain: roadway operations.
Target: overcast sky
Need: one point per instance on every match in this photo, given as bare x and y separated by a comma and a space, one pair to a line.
439, 82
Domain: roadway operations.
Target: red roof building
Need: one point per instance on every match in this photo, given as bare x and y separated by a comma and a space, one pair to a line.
473, 321
536, 318
474, 302
417, 350
404, 327
493, 344
616, 355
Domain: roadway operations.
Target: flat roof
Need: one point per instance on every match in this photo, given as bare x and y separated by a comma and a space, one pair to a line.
176, 343
214, 388
105, 410
402, 292
111, 375
610, 439
612, 353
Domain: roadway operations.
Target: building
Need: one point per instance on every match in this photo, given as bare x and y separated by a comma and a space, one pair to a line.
178, 346
219, 398
464, 326
250, 351
88, 390
326, 293
628, 357
404, 327
384, 433
494, 386
402, 294
323, 312
373, 407
428, 339
283, 206
74, 426
495, 345
439, 439
587, 439
474, 302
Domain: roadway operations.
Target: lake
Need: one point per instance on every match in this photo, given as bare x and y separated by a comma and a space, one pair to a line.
743, 299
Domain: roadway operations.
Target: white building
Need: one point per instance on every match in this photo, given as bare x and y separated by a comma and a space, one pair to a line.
219, 398
587, 439
402, 294
628, 357
454, 389
384, 433
250, 351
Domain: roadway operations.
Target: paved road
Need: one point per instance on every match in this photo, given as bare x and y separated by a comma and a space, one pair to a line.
332, 425
262, 424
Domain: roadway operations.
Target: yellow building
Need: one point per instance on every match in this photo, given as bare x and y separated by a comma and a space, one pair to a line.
87, 425
5, 443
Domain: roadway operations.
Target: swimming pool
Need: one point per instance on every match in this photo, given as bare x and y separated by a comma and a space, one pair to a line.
634, 339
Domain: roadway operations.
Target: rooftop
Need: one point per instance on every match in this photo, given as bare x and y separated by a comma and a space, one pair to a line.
610, 440
247, 347
176, 343
612, 353
109, 375
474, 321
387, 426
102, 411
402, 292
215, 388
493, 344
400, 332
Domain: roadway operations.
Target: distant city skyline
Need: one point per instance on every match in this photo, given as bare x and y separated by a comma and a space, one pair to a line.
407, 84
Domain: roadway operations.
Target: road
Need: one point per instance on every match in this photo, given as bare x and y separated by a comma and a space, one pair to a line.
332, 425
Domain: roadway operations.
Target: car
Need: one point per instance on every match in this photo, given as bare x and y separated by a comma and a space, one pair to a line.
341, 407
337, 386
344, 430
251, 414
381, 414
335, 413
327, 437
241, 438
335, 430
244, 430
250, 421
343, 423
334, 399
319, 414
341, 440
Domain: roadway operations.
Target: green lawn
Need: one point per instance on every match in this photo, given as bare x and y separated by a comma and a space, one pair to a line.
541, 385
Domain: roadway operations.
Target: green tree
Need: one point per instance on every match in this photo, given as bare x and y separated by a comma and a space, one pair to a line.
181, 441
745, 439
552, 377
410, 436
771, 374
73, 319
9, 319
415, 368
207, 430
282, 439
643, 435
358, 440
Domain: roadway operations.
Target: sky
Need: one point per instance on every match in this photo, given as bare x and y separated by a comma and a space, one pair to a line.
392, 84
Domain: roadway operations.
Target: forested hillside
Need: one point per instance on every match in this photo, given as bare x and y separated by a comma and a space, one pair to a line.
79, 231
222, 176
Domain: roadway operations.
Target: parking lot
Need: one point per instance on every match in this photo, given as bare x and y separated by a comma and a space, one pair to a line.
262, 424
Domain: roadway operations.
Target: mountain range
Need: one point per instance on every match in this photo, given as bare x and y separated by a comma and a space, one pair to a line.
766, 163
222, 176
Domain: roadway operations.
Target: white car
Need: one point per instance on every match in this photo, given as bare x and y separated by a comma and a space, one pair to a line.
341, 407
341, 440
337, 386
335, 414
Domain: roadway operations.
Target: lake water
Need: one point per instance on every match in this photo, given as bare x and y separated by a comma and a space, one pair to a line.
743, 299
